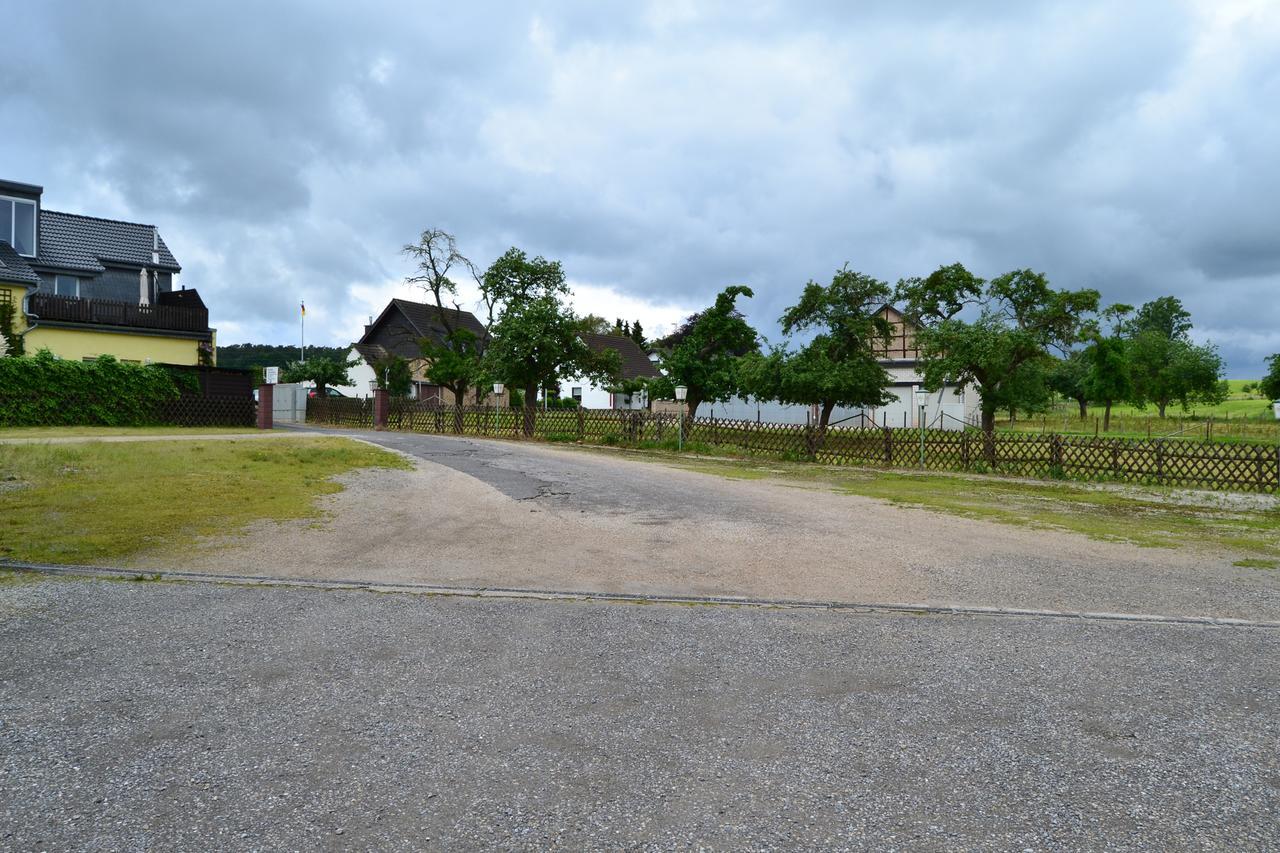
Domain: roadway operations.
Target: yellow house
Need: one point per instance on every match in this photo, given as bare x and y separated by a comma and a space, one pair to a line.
81, 287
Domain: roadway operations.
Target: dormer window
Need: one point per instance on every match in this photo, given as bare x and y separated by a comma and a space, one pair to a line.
18, 224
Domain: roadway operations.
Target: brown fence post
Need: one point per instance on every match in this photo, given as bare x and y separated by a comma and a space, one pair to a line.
266, 401
964, 449
888, 446
582, 425
1055, 452
381, 408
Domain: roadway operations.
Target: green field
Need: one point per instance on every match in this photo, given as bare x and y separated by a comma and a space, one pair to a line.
1241, 417
104, 502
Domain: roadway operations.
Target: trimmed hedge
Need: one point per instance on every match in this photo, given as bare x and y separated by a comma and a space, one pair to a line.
44, 391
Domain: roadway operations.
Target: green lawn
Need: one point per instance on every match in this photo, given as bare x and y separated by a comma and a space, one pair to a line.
100, 502
1149, 517
1241, 417
95, 431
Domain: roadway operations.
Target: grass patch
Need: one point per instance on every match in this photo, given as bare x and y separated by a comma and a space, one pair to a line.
1149, 517
100, 431
1254, 563
105, 502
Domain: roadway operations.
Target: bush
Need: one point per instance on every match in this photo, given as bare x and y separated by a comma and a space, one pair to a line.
44, 391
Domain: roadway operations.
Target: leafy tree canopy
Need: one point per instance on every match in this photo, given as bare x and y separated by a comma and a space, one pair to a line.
1164, 316
703, 353
394, 375
838, 366
454, 361
1108, 378
324, 372
537, 337
1270, 384
1165, 365
1066, 376
1001, 351
245, 356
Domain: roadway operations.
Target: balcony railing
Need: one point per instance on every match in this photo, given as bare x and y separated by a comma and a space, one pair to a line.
106, 312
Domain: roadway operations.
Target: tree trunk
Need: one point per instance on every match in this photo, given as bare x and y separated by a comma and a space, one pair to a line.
1106, 418
459, 398
530, 407
825, 417
1084, 407
989, 435
1161, 406
988, 420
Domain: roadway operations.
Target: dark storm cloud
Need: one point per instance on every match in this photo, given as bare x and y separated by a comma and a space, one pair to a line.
287, 150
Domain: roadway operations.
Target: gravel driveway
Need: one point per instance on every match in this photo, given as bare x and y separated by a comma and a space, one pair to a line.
484, 513
198, 716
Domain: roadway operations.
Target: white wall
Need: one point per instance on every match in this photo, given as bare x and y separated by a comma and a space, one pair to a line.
362, 377
903, 411
597, 397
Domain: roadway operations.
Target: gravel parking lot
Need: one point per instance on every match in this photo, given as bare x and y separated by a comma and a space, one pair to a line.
197, 716
484, 513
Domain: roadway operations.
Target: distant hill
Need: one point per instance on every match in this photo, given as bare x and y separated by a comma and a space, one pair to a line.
272, 355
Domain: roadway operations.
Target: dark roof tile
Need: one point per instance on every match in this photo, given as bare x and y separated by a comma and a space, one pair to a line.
74, 242
14, 268
635, 361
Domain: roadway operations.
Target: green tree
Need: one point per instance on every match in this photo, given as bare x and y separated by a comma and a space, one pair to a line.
1066, 377
703, 353
455, 359
537, 337
599, 325
636, 334
838, 366
11, 343
1166, 366
1270, 384
324, 372
393, 375
1165, 316
1001, 350
1108, 379
248, 356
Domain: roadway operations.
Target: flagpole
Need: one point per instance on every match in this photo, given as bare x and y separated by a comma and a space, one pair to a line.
302, 332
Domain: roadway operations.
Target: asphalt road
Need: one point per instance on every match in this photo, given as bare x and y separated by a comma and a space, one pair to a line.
199, 716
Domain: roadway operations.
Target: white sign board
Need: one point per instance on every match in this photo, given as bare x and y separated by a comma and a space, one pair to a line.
271, 375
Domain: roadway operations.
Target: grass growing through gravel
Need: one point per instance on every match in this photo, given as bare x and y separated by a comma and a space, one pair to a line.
1150, 517
104, 502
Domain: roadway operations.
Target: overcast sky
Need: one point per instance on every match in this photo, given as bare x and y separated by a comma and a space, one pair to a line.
662, 151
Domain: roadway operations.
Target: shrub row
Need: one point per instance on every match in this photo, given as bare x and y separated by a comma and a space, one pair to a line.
44, 391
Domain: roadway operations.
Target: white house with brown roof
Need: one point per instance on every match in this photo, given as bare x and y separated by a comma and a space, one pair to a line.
636, 364
399, 330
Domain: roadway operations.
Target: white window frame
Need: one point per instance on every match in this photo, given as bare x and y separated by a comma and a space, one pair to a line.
57, 276
13, 224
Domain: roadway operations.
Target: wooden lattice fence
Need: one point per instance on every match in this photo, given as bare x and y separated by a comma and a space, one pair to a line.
1239, 466
340, 412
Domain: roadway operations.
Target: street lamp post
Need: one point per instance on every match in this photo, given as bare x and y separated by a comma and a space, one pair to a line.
497, 392
681, 393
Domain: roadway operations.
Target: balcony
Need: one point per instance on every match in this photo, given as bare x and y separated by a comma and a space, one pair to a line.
106, 312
